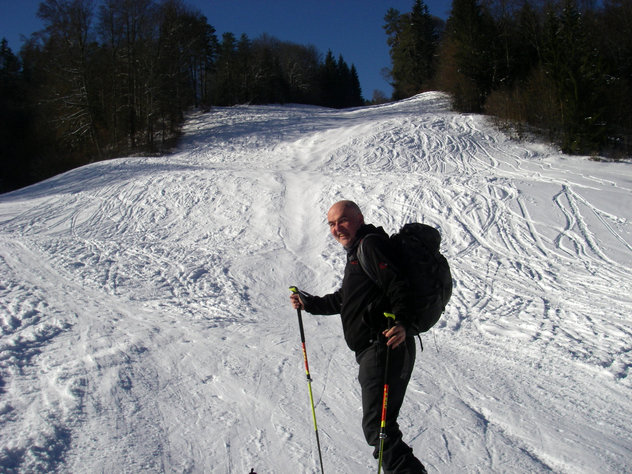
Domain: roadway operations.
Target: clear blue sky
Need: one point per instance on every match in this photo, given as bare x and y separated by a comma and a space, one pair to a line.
351, 28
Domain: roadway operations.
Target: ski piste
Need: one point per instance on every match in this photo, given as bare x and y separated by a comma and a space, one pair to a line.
145, 324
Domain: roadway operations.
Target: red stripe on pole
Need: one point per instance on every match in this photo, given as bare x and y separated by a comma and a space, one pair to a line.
385, 402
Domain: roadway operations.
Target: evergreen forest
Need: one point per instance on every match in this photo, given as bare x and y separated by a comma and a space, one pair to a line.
559, 68
117, 77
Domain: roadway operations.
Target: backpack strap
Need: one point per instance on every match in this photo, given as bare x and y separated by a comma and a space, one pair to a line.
361, 255
362, 259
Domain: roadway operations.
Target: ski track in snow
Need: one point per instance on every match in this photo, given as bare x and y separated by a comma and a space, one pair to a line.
145, 324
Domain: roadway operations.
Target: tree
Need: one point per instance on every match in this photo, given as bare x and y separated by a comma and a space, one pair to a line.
329, 81
339, 84
186, 46
613, 35
268, 81
66, 57
15, 122
413, 39
123, 85
226, 78
576, 71
378, 97
355, 91
129, 33
468, 55
300, 65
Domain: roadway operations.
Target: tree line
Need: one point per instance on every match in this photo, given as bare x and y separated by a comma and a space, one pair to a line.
561, 68
117, 79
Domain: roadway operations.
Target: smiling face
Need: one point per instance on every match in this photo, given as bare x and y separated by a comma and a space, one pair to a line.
344, 220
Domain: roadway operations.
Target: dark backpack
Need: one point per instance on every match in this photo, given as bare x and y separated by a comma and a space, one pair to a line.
427, 271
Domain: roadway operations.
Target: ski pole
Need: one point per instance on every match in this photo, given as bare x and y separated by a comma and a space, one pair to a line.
391, 318
294, 290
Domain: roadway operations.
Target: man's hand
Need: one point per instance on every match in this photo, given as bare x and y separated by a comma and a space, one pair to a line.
395, 336
297, 303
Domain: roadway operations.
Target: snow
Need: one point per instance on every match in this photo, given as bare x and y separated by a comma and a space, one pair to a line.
146, 326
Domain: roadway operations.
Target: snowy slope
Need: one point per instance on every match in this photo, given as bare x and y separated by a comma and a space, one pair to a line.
145, 324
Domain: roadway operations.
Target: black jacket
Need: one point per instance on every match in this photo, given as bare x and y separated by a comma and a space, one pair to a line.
361, 302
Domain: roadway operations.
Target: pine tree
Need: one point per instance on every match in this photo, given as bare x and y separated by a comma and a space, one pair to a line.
355, 91
468, 55
613, 34
329, 81
413, 39
576, 71
339, 84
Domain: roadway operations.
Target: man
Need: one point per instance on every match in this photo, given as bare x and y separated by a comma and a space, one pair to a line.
361, 304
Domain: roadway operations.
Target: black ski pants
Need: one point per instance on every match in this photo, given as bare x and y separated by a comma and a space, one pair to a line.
397, 456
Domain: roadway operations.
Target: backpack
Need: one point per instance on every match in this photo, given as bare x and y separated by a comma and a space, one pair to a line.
427, 271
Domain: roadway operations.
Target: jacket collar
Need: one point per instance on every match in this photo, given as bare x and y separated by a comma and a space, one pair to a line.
363, 231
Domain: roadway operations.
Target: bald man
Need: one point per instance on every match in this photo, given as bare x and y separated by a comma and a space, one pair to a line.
361, 303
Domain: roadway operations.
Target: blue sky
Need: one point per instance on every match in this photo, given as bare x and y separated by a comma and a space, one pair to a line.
351, 28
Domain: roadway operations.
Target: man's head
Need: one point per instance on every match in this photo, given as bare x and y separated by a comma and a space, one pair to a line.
344, 219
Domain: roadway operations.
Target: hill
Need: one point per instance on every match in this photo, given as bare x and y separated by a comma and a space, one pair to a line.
145, 322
